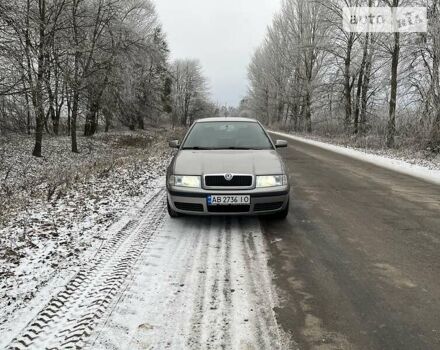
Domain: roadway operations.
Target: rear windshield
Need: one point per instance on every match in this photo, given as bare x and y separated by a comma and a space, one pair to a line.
227, 135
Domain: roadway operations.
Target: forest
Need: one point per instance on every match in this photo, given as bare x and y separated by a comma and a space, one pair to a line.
311, 75
71, 67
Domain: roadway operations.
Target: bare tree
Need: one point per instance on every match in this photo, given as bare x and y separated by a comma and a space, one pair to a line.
189, 90
68, 61
309, 70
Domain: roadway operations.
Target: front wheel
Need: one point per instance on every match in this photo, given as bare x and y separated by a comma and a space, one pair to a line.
171, 211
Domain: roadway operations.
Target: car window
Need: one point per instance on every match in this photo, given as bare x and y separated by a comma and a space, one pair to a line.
227, 135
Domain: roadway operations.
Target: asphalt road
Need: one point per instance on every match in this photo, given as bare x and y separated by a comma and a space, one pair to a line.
357, 262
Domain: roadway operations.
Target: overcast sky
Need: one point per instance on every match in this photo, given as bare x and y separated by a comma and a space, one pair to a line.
222, 34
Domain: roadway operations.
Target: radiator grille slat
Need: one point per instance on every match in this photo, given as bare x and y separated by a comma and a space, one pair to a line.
236, 181
229, 209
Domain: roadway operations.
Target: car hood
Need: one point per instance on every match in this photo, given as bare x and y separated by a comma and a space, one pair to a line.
257, 162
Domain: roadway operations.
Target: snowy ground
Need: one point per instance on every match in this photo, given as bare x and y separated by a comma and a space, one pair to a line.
423, 168
200, 284
56, 211
94, 262
159, 283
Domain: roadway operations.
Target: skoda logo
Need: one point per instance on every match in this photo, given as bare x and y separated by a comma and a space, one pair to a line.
229, 177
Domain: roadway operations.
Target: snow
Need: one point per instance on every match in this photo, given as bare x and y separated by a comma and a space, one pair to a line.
431, 175
44, 242
100, 265
201, 283
90, 259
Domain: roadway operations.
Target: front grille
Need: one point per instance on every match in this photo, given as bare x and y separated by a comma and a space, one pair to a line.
189, 206
268, 206
220, 181
229, 208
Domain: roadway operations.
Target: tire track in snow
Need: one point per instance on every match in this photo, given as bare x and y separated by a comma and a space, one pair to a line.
72, 314
215, 321
209, 288
199, 273
261, 287
219, 333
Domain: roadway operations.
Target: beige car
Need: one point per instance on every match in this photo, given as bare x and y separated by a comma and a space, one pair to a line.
227, 166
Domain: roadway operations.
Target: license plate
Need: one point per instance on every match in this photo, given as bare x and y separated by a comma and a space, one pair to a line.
228, 200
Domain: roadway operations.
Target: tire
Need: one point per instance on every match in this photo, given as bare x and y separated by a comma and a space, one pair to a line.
281, 215
171, 211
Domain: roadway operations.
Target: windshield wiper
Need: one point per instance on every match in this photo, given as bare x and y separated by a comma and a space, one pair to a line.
242, 148
197, 148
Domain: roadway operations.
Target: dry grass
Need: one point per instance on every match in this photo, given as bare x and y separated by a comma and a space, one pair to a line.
25, 178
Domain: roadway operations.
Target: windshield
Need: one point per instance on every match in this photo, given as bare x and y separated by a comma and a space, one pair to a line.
227, 135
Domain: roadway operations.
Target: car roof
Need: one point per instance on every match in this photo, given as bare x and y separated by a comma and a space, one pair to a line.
223, 119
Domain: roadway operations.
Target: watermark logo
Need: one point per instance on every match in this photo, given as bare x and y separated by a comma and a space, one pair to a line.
385, 19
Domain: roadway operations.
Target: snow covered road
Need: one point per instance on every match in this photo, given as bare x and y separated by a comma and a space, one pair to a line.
159, 283
201, 283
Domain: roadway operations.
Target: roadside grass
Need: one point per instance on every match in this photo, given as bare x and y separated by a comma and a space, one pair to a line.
407, 148
24, 178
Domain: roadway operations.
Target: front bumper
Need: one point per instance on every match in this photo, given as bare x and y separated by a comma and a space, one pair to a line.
194, 201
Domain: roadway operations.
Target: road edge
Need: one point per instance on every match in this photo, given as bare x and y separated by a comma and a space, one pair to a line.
399, 166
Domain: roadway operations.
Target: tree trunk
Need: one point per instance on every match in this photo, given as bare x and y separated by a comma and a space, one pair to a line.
56, 123
73, 122
76, 80
46, 119
308, 112
357, 107
28, 112
301, 115
365, 88
29, 68
52, 111
391, 128
75, 105
132, 125
53, 116
90, 126
39, 124
69, 110
107, 117
434, 141
347, 84
360, 84
38, 94
141, 124
58, 116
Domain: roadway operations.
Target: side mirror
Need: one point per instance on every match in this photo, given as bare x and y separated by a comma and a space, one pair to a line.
281, 144
174, 144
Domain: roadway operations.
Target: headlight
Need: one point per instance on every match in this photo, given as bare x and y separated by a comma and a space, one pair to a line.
185, 181
271, 181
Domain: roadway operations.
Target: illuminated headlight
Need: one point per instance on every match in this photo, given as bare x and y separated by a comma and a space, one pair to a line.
185, 181
271, 181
